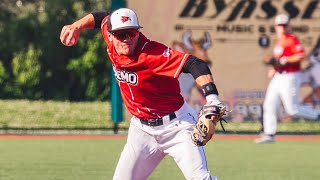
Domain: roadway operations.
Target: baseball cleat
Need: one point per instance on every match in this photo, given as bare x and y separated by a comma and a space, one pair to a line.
264, 139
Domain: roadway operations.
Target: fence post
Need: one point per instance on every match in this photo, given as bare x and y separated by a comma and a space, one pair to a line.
116, 101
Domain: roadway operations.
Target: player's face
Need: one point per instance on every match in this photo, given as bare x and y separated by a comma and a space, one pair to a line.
125, 41
281, 30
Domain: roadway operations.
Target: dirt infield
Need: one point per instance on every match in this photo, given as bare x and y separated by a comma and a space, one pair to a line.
218, 137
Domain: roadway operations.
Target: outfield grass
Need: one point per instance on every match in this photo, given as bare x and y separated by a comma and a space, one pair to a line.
84, 159
54, 114
44, 115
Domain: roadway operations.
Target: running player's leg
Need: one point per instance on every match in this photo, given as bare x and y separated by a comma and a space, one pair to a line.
139, 157
290, 97
271, 106
315, 71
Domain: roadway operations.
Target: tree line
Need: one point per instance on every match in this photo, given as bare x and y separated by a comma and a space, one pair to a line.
35, 65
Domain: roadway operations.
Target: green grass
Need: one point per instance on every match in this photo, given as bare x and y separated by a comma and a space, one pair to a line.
55, 114
26, 115
84, 159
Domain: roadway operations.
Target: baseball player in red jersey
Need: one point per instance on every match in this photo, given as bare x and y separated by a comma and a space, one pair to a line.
147, 73
285, 83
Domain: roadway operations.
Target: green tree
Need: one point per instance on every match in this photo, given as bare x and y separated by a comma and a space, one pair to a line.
26, 72
31, 30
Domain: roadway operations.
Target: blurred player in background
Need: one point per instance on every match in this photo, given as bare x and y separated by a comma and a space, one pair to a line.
285, 83
147, 73
311, 77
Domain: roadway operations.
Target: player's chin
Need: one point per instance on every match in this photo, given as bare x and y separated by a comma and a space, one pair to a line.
127, 51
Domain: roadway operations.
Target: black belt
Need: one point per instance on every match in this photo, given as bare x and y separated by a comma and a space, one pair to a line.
157, 121
285, 72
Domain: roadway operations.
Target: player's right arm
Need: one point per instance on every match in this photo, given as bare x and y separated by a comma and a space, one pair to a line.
70, 34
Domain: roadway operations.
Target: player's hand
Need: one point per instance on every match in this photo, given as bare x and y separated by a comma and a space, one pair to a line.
283, 60
212, 99
70, 35
267, 59
214, 102
215, 117
271, 73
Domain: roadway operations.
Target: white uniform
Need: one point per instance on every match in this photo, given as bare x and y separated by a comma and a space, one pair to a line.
147, 146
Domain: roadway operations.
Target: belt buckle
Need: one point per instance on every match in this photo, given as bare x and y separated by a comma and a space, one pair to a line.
153, 122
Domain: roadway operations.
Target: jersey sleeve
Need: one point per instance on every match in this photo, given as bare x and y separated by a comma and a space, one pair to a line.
166, 61
296, 46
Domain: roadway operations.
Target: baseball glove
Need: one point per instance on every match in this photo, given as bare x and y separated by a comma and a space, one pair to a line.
206, 125
275, 62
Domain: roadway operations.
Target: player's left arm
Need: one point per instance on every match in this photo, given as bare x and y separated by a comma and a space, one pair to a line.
213, 111
203, 78
298, 53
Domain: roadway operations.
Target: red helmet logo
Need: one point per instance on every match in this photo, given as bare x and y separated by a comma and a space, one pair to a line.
124, 19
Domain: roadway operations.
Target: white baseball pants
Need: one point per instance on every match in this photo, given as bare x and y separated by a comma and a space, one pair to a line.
284, 87
146, 146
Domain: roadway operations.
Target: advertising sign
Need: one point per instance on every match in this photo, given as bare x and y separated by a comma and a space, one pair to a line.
233, 36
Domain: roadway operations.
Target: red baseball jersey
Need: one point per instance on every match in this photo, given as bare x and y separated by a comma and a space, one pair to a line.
288, 46
148, 79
